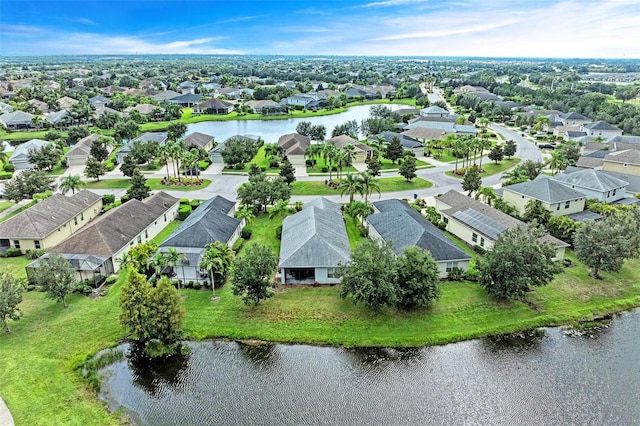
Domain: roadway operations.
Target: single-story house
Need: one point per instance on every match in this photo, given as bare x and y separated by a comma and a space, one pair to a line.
4, 108
187, 100
399, 223
109, 237
434, 111
479, 224
559, 199
408, 143
215, 154
166, 95
159, 137
39, 105
200, 141
594, 184
314, 242
212, 221
266, 107
213, 106
294, 147
20, 156
50, 221
446, 126
59, 118
66, 102
361, 151
81, 151
143, 109
16, 120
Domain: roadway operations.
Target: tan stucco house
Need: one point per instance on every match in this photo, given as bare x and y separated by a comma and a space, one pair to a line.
559, 199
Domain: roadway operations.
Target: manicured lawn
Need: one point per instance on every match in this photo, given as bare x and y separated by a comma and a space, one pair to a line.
491, 168
388, 165
260, 159
5, 205
153, 183
41, 382
15, 265
264, 231
393, 184
320, 163
352, 231
162, 235
18, 210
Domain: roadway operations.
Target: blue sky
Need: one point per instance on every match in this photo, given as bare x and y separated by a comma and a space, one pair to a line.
528, 28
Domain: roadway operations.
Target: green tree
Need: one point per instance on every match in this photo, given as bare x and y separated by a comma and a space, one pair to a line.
139, 188
288, 172
128, 166
279, 209
56, 276
394, 150
351, 185
217, 260
11, 289
359, 210
418, 276
370, 275
369, 185
125, 129
304, 128
167, 312
373, 166
531, 168
176, 130
471, 181
496, 154
252, 273
138, 257
408, 168
247, 213
518, 262
99, 149
135, 307
71, 183
94, 168
510, 148
535, 211
563, 228
27, 184
46, 157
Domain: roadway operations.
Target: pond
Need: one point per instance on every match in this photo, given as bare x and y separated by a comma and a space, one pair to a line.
541, 377
271, 130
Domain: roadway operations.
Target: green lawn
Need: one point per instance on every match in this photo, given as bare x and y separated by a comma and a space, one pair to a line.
320, 163
393, 184
264, 231
491, 168
388, 165
153, 183
18, 210
15, 265
352, 231
162, 235
5, 205
41, 384
260, 159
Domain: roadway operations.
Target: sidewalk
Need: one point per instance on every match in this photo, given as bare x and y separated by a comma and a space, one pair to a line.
5, 416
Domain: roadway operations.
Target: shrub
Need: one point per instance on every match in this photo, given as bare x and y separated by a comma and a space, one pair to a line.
238, 245
197, 285
109, 165
246, 233
274, 164
184, 211
110, 280
202, 165
5, 175
8, 167
124, 199
364, 231
279, 232
33, 254
238, 166
153, 166
108, 199
471, 275
184, 201
12, 252
194, 204
480, 250
324, 169
456, 274
308, 163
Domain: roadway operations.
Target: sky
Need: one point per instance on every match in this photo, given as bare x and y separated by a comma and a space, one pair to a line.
482, 28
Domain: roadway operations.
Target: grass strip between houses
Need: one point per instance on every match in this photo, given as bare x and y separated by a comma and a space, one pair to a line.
153, 183
394, 184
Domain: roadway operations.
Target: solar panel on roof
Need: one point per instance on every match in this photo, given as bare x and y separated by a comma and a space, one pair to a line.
480, 222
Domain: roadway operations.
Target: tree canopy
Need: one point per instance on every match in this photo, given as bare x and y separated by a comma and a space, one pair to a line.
56, 276
252, 273
11, 289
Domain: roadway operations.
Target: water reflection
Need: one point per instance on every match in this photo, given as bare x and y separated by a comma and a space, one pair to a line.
525, 341
262, 355
155, 376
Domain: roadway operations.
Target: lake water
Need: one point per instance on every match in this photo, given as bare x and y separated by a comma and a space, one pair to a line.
271, 130
539, 378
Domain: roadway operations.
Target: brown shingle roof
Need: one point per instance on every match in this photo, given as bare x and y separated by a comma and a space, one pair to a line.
83, 147
47, 216
294, 144
198, 139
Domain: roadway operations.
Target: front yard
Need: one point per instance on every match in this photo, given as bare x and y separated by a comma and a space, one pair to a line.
394, 184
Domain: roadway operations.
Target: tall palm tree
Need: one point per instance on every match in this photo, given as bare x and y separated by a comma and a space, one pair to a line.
217, 260
558, 161
71, 183
369, 185
279, 209
486, 193
246, 213
328, 154
341, 160
164, 150
350, 153
351, 184
171, 257
359, 210
483, 144
313, 152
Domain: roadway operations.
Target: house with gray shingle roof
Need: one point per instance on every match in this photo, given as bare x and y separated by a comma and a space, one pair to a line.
594, 184
573, 118
213, 106
50, 221
434, 111
294, 147
314, 242
200, 141
211, 221
167, 95
479, 224
20, 156
627, 161
58, 118
408, 143
400, 224
602, 129
81, 151
157, 137
16, 120
555, 197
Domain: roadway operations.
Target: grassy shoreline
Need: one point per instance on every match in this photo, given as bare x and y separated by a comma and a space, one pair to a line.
42, 384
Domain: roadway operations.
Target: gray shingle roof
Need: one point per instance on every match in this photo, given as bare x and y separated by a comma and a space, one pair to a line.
209, 222
294, 144
83, 147
22, 150
47, 216
198, 139
600, 125
590, 179
314, 237
584, 216
404, 227
545, 189
629, 156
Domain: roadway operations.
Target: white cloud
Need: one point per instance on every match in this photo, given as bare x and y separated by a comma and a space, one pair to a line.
387, 3
81, 20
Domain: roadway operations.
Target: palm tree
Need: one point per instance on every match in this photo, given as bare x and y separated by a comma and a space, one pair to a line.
351, 185
350, 153
157, 263
369, 185
279, 209
558, 161
341, 160
328, 154
165, 151
359, 210
483, 144
217, 259
171, 257
246, 213
487, 194
377, 143
71, 183
313, 152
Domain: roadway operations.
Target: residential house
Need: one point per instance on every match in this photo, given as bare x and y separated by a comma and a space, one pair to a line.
147, 110
5, 108
66, 102
212, 221
158, 137
299, 100
355, 92
574, 119
16, 120
399, 223
81, 151
59, 118
554, 196
602, 129
99, 101
166, 95
20, 156
593, 160
294, 147
434, 111
266, 107
627, 161
105, 241
50, 221
361, 151
186, 100
408, 143
213, 106
314, 242
594, 184
479, 224
39, 105
215, 154
447, 127
200, 140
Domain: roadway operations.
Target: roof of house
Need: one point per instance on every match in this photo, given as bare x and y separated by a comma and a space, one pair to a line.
425, 133
57, 117
434, 109
294, 144
197, 139
187, 98
458, 202
628, 156
589, 162
314, 237
17, 117
585, 215
404, 227
48, 215
590, 179
22, 150
600, 125
634, 181
209, 222
405, 141
165, 96
544, 189
214, 103
574, 116
66, 102
83, 146
109, 233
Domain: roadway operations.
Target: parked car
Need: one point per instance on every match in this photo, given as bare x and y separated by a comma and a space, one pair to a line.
191, 172
546, 146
